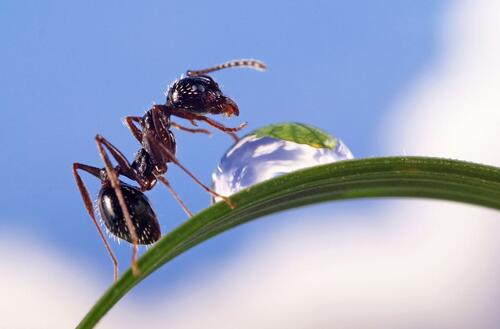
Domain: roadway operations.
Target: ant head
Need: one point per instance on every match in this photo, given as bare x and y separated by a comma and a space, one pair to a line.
142, 214
200, 94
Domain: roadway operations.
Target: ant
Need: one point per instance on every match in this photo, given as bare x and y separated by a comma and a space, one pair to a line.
125, 210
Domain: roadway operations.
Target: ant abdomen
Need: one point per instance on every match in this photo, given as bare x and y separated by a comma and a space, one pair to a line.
142, 214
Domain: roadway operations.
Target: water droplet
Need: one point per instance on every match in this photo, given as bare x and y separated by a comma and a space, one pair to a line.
275, 150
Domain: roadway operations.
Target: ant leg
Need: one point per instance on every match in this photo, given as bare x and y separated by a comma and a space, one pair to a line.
115, 183
129, 121
234, 137
211, 122
125, 167
178, 126
250, 63
175, 195
89, 206
172, 157
221, 127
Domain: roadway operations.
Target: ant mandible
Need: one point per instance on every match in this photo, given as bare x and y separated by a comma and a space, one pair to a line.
125, 210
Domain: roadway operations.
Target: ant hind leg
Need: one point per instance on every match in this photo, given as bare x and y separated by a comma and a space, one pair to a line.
115, 183
87, 201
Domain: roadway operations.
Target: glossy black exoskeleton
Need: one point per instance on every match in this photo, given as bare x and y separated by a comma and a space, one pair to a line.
200, 95
125, 210
142, 214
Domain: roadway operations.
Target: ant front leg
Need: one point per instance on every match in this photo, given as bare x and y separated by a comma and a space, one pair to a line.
115, 183
221, 127
87, 201
191, 116
130, 122
190, 130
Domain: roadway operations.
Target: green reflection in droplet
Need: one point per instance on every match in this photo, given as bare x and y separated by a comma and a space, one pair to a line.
298, 133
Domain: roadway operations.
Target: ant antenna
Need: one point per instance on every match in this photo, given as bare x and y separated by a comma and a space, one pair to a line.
250, 63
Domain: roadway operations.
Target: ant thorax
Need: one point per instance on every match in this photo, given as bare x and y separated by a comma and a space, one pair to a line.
157, 136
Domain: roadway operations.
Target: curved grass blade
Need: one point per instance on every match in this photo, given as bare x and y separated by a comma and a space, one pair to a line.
376, 177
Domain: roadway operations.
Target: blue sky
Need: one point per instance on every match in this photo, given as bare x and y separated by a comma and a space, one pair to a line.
70, 71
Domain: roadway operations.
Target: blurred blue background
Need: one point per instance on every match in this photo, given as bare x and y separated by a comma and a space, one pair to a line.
70, 70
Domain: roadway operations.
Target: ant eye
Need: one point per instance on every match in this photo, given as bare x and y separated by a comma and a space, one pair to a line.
197, 88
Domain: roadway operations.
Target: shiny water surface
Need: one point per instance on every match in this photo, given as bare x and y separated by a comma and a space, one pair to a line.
254, 159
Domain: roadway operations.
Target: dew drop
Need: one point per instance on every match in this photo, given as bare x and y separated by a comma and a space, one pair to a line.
272, 151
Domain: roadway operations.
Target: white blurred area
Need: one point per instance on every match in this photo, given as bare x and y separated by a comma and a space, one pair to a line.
453, 109
419, 264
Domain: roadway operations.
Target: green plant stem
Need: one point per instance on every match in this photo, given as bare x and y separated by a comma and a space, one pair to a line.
376, 177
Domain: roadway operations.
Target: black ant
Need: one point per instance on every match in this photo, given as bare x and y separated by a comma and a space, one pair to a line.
124, 209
